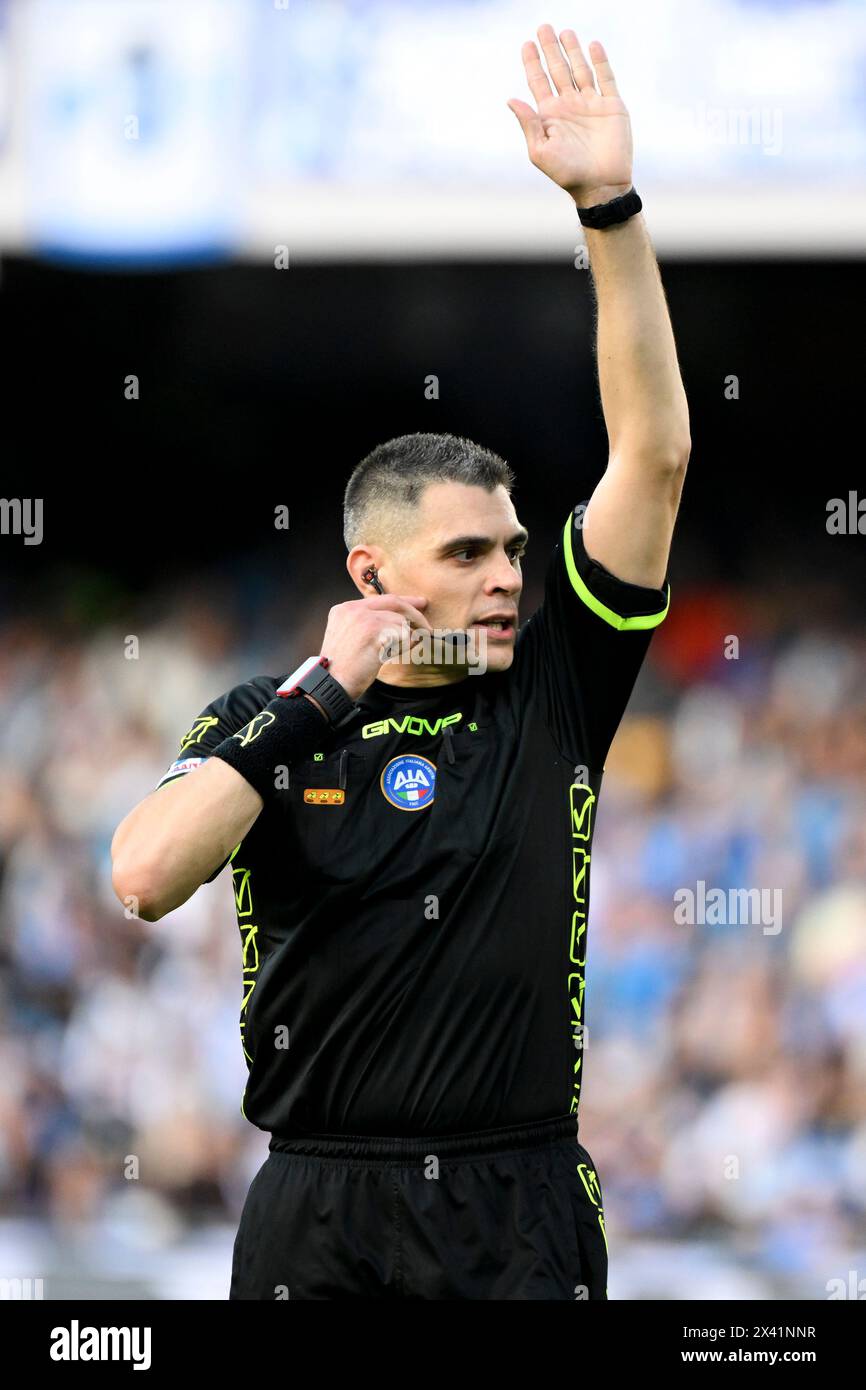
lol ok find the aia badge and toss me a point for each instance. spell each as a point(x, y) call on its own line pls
point(409, 782)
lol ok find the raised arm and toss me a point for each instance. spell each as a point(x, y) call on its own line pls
point(580, 136)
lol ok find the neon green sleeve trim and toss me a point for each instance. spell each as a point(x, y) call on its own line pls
point(643, 620)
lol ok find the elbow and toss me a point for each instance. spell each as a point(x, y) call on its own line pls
point(135, 887)
point(663, 456)
point(675, 458)
point(670, 444)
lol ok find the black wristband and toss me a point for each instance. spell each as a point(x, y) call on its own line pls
point(619, 209)
point(279, 735)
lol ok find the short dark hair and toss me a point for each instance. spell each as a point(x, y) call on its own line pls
point(394, 475)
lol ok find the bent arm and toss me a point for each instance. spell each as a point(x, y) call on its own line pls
point(172, 840)
point(580, 137)
point(630, 517)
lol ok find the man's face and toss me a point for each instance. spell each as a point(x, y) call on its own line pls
point(463, 553)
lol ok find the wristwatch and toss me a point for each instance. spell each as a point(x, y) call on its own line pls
point(313, 678)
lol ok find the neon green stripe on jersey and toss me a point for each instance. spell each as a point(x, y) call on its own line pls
point(643, 620)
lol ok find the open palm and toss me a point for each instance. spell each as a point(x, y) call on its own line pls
point(580, 136)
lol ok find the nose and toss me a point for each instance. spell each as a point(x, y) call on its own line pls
point(503, 579)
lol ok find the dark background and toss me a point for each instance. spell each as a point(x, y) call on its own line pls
point(261, 387)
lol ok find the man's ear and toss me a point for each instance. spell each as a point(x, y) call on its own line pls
point(360, 559)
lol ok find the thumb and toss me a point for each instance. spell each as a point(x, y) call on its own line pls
point(530, 122)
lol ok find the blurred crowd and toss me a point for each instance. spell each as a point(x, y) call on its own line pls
point(724, 1099)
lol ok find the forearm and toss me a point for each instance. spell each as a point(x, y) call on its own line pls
point(173, 839)
point(642, 394)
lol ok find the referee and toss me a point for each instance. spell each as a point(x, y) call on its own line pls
point(410, 831)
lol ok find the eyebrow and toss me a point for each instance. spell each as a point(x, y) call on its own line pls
point(482, 542)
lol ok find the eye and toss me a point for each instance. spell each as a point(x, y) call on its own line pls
point(517, 552)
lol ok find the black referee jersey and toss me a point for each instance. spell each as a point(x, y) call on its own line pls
point(413, 905)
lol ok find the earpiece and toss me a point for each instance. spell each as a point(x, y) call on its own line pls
point(371, 576)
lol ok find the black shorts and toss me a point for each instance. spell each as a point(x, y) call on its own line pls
point(498, 1214)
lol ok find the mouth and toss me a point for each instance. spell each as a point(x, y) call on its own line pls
point(500, 629)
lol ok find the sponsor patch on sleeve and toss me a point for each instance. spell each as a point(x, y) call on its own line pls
point(178, 769)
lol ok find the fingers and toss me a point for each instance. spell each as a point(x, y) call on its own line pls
point(584, 79)
point(415, 618)
point(400, 606)
point(383, 600)
point(530, 123)
point(539, 85)
point(603, 70)
point(560, 71)
point(568, 66)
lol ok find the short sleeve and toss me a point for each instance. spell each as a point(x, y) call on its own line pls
point(216, 722)
point(580, 653)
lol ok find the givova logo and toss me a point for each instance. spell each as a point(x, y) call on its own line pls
point(76, 1343)
point(409, 724)
point(409, 782)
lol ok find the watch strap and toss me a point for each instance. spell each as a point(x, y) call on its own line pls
point(312, 677)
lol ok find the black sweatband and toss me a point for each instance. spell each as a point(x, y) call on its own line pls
point(602, 215)
point(281, 734)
